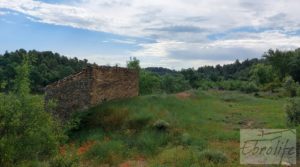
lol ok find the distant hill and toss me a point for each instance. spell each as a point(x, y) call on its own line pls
point(160, 70)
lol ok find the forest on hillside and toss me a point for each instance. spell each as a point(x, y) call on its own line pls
point(45, 67)
point(267, 73)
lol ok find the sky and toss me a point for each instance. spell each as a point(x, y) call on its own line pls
point(160, 33)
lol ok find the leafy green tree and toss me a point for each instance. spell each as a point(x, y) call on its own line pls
point(149, 83)
point(134, 63)
point(192, 76)
point(28, 134)
point(262, 74)
point(279, 61)
point(174, 83)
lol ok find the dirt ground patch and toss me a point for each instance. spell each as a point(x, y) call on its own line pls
point(184, 95)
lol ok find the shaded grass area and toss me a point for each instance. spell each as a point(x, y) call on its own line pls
point(202, 129)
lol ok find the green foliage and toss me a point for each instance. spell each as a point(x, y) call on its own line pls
point(262, 74)
point(27, 132)
point(279, 61)
point(249, 87)
point(206, 84)
point(285, 63)
point(149, 83)
point(45, 67)
point(134, 63)
point(293, 112)
point(192, 76)
point(174, 83)
point(22, 83)
point(213, 156)
point(65, 160)
point(230, 85)
point(290, 86)
point(272, 86)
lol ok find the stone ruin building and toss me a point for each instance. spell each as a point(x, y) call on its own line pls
point(91, 86)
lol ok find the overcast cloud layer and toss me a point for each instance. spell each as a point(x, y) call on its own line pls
point(175, 33)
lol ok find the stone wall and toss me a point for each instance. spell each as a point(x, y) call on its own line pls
point(90, 87)
point(113, 83)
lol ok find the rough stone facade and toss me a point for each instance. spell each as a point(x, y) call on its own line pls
point(90, 87)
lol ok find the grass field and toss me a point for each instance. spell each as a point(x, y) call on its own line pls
point(196, 128)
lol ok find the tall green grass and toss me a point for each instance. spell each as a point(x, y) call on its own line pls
point(125, 129)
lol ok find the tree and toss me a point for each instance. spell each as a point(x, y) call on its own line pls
point(280, 61)
point(134, 63)
point(262, 74)
point(174, 83)
point(45, 68)
point(192, 76)
point(27, 133)
point(149, 83)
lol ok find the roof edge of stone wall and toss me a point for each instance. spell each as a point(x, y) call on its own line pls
point(89, 67)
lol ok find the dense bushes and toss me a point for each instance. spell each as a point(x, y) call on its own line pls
point(290, 86)
point(150, 83)
point(174, 83)
point(293, 112)
point(249, 87)
point(28, 134)
point(213, 156)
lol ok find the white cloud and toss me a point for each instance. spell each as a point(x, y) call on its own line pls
point(158, 49)
point(225, 50)
point(124, 41)
point(178, 26)
point(144, 17)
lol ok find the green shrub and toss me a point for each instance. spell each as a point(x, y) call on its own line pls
point(149, 83)
point(67, 160)
point(291, 86)
point(249, 87)
point(293, 112)
point(262, 74)
point(212, 156)
point(172, 83)
point(27, 132)
point(206, 84)
point(229, 85)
